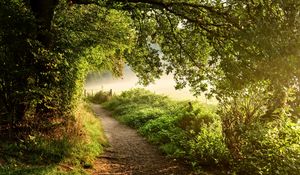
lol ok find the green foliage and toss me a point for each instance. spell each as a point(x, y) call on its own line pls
point(93, 139)
point(60, 41)
point(44, 67)
point(48, 47)
point(100, 97)
point(73, 146)
point(184, 129)
point(273, 149)
point(145, 114)
point(261, 138)
point(39, 170)
point(235, 42)
point(246, 138)
point(136, 98)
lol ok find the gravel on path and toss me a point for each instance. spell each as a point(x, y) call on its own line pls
point(130, 154)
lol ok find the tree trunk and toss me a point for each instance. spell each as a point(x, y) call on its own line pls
point(44, 11)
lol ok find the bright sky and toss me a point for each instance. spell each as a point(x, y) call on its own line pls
point(164, 86)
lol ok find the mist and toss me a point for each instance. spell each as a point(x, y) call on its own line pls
point(164, 86)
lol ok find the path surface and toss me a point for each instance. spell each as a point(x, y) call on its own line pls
point(130, 154)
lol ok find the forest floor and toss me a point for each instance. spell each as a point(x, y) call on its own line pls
point(130, 154)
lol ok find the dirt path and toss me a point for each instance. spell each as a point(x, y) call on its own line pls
point(130, 154)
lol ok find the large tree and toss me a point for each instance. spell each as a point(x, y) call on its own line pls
point(48, 46)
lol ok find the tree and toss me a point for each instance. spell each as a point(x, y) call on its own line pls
point(246, 53)
point(215, 46)
point(44, 68)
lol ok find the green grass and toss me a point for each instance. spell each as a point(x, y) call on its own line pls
point(100, 97)
point(194, 132)
point(67, 151)
point(185, 130)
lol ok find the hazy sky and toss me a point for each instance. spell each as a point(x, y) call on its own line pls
point(164, 86)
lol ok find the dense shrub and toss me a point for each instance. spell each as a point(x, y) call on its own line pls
point(74, 146)
point(100, 97)
point(181, 129)
point(138, 97)
point(145, 114)
point(272, 150)
point(239, 140)
point(261, 139)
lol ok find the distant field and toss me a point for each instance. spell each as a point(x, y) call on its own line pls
point(164, 86)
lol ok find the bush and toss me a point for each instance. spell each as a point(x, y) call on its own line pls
point(100, 97)
point(74, 145)
point(138, 97)
point(272, 149)
point(184, 129)
point(145, 115)
point(239, 140)
point(260, 141)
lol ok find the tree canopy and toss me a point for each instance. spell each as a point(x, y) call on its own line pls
point(215, 46)
point(245, 53)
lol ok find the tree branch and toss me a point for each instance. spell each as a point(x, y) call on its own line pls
point(210, 10)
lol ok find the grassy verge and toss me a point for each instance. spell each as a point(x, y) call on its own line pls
point(66, 150)
point(182, 129)
point(209, 140)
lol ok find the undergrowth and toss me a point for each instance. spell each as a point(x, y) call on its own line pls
point(100, 97)
point(65, 150)
point(221, 140)
point(182, 129)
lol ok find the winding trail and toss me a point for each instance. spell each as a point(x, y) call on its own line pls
point(131, 154)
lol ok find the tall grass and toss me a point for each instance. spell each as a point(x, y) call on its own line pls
point(222, 140)
point(185, 130)
point(64, 150)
